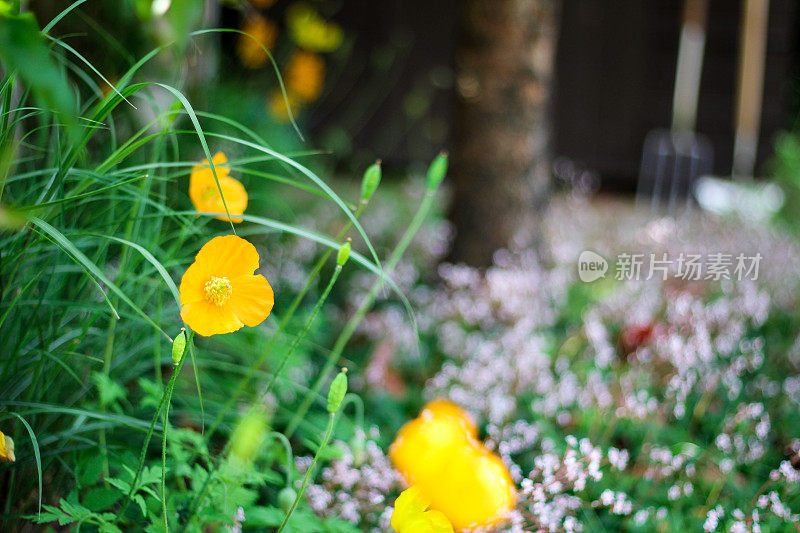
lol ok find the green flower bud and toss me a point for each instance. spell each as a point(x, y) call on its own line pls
point(286, 498)
point(337, 391)
point(437, 171)
point(179, 346)
point(344, 253)
point(370, 181)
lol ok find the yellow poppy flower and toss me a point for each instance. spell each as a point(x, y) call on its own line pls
point(424, 444)
point(438, 453)
point(7, 448)
point(410, 514)
point(305, 74)
point(311, 31)
point(204, 192)
point(261, 33)
point(219, 292)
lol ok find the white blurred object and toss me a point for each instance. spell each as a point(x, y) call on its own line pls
point(752, 201)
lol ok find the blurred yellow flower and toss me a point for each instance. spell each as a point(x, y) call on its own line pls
point(7, 448)
point(277, 106)
point(442, 407)
point(248, 435)
point(310, 31)
point(204, 192)
point(220, 292)
point(261, 33)
point(305, 74)
point(410, 514)
point(438, 453)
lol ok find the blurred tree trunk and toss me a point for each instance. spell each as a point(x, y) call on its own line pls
point(501, 164)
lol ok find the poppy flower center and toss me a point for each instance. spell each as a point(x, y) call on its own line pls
point(209, 193)
point(218, 290)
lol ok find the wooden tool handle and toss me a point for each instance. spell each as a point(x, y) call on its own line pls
point(690, 65)
point(752, 52)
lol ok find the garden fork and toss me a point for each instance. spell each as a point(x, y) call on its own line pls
point(673, 159)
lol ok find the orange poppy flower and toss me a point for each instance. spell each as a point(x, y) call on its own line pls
point(305, 75)
point(220, 292)
point(204, 192)
point(261, 33)
point(276, 104)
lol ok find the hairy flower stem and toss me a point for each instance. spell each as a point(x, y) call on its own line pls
point(303, 333)
point(310, 471)
point(298, 339)
point(281, 327)
point(164, 454)
point(277, 435)
point(165, 397)
point(366, 305)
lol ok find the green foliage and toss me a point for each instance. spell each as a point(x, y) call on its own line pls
point(96, 230)
point(786, 171)
point(23, 51)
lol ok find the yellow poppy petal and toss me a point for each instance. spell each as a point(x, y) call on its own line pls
point(228, 256)
point(443, 407)
point(202, 172)
point(219, 158)
point(423, 447)
point(235, 199)
point(251, 299)
point(474, 488)
point(439, 522)
point(408, 508)
point(418, 524)
point(206, 318)
point(193, 282)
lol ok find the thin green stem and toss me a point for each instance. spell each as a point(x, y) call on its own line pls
point(287, 446)
point(164, 398)
point(164, 458)
point(288, 315)
point(303, 333)
point(286, 357)
point(310, 471)
point(366, 305)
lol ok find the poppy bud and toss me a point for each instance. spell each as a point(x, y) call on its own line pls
point(286, 498)
point(370, 181)
point(179, 346)
point(344, 253)
point(337, 391)
point(437, 171)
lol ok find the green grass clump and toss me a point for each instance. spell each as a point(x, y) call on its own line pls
point(96, 231)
